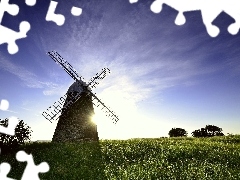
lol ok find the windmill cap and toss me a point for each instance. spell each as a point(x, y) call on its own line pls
point(75, 87)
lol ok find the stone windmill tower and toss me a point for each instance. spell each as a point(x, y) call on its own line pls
point(75, 123)
point(75, 109)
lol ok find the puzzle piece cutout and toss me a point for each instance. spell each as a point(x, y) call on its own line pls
point(59, 19)
point(7, 35)
point(10, 129)
point(31, 171)
point(4, 170)
point(12, 121)
point(4, 105)
point(209, 10)
point(133, 1)
point(76, 11)
point(12, 9)
point(30, 2)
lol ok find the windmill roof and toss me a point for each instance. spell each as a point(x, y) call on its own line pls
point(75, 87)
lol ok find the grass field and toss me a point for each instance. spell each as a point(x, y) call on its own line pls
point(162, 158)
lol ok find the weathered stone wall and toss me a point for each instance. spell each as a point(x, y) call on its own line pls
point(75, 123)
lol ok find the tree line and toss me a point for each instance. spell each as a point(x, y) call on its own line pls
point(10, 144)
point(208, 131)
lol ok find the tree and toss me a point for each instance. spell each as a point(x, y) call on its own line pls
point(196, 133)
point(208, 131)
point(177, 132)
point(213, 130)
point(8, 143)
point(200, 133)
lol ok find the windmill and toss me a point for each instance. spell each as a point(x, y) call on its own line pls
point(77, 92)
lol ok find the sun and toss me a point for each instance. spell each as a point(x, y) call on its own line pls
point(131, 124)
point(95, 119)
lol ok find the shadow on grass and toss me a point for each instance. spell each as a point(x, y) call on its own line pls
point(67, 161)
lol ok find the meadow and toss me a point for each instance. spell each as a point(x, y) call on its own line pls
point(160, 158)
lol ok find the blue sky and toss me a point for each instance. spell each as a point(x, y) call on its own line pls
point(162, 75)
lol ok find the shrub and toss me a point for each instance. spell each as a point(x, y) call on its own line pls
point(177, 132)
point(208, 131)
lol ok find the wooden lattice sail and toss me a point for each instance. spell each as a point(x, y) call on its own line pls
point(75, 109)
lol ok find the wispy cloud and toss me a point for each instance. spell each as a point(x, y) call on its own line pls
point(26, 109)
point(12, 111)
point(140, 62)
point(53, 88)
point(30, 79)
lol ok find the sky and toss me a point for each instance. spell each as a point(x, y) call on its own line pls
point(162, 75)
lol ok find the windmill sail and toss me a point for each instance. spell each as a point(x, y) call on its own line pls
point(66, 66)
point(93, 81)
point(98, 103)
point(53, 112)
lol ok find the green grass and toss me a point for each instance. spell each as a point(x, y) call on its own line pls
point(162, 158)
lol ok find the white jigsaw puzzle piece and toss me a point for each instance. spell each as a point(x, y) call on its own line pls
point(7, 35)
point(12, 9)
point(133, 1)
point(209, 10)
point(12, 121)
point(31, 171)
point(30, 2)
point(10, 129)
point(4, 105)
point(76, 11)
point(59, 19)
point(4, 170)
